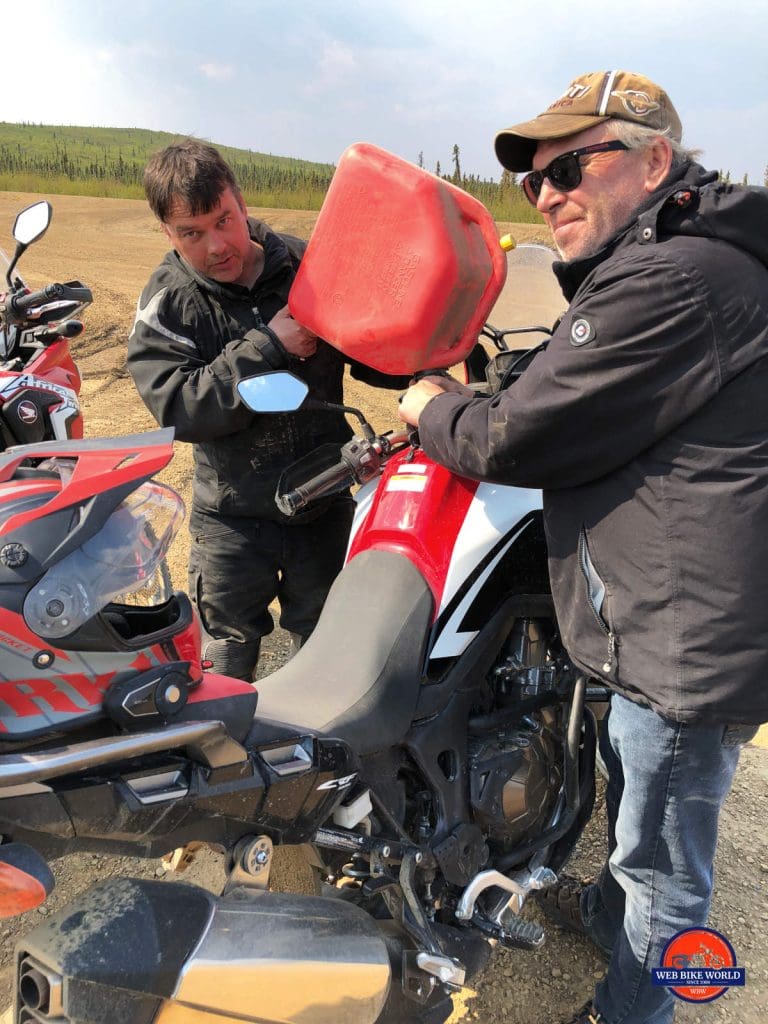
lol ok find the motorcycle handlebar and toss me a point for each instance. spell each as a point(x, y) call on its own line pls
point(329, 480)
point(20, 304)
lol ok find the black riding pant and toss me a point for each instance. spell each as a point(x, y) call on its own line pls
point(239, 565)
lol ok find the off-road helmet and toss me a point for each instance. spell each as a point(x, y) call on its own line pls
point(83, 533)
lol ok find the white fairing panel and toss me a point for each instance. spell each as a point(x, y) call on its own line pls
point(363, 501)
point(493, 521)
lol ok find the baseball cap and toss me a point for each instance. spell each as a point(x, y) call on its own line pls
point(589, 100)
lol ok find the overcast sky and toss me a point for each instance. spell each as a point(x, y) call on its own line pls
point(305, 78)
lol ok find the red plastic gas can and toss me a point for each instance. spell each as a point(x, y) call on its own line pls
point(402, 267)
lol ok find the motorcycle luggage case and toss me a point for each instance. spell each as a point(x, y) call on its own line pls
point(402, 267)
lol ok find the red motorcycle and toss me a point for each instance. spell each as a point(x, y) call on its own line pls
point(39, 382)
point(430, 747)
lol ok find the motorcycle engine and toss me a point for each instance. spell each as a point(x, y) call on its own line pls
point(516, 759)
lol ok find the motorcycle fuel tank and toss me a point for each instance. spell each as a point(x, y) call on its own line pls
point(402, 267)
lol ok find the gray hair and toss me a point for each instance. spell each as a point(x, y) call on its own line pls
point(638, 136)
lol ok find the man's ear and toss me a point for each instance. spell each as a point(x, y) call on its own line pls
point(658, 161)
point(166, 230)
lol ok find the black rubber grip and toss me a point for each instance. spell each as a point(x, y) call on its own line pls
point(19, 304)
point(316, 487)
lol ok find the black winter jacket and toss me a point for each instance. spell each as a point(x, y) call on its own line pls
point(646, 423)
point(194, 339)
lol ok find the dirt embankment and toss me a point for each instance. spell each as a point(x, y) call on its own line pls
point(113, 245)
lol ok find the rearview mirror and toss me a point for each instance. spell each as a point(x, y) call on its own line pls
point(278, 391)
point(33, 222)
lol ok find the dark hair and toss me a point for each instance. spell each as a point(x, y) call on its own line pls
point(190, 171)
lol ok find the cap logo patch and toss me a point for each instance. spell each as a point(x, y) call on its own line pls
point(576, 90)
point(638, 103)
point(582, 331)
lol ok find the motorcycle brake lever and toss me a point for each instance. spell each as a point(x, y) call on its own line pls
point(414, 442)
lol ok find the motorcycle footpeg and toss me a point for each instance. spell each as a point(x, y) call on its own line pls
point(514, 933)
point(519, 934)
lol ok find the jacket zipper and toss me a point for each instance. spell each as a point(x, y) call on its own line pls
point(595, 590)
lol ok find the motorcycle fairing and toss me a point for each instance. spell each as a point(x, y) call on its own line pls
point(28, 402)
point(355, 677)
point(150, 804)
point(51, 381)
point(514, 564)
point(52, 368)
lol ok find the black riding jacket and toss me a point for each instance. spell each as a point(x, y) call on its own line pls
point(645, 421)
point(194, 339)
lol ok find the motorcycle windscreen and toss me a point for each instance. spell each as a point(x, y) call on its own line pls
point(117, 560)
point(6, 339)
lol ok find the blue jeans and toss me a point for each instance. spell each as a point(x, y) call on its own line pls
point(667, 783)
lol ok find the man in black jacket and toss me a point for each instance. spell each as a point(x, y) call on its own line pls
point(213, 313)
point(645, 422)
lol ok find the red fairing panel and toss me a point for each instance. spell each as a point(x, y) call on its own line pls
point(417, 511)
point(55, 363)
point(52, 371)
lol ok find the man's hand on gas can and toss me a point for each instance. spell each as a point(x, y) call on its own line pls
point(297, 340)
point(412, 403)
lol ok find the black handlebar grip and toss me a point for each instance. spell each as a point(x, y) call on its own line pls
point(21, 303)
point(316, 487)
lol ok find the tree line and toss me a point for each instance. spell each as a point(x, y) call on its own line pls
point(110, 162)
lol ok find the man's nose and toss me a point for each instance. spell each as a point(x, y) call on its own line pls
point(216, 242)
point(549, 196)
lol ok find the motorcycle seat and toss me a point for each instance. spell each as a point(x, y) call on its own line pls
point(357, 676)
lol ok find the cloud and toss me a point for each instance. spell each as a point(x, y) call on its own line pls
point(336, 59)
point(217, 72)
point(335, 68)
point(410, 77)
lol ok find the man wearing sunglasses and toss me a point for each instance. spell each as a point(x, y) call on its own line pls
point(645, 421)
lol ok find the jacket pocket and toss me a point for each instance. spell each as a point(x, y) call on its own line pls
point(595, 590)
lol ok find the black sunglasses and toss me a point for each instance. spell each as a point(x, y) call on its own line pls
point(565, 170)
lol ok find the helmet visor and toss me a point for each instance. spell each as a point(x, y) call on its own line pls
point(117, 560)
